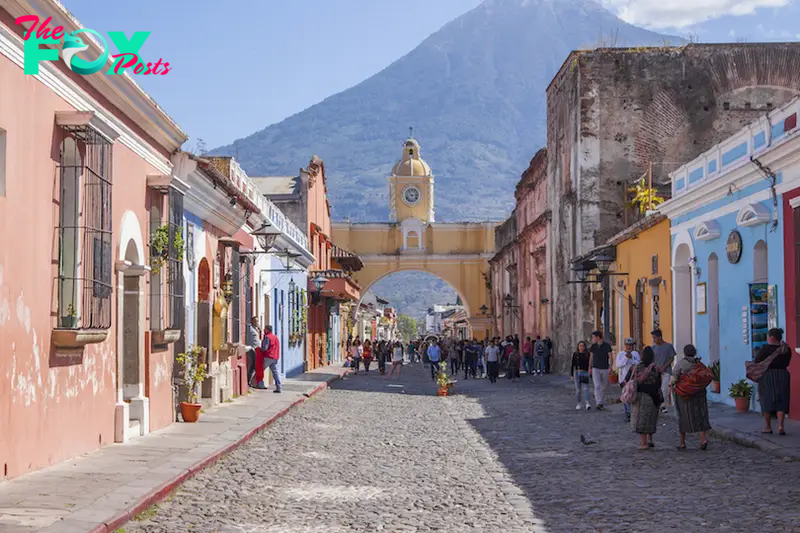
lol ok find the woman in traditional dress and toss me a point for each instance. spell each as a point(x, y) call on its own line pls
point(773, 387)
point(644, 412)
point(692, 411)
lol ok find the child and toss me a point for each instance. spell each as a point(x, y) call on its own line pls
point(348, 361)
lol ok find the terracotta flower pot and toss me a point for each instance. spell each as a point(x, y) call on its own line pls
point(442, 391)
point(742, 404)
point(715, 387)
point(190, 412)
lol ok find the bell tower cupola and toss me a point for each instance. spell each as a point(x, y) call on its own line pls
point(411, 186)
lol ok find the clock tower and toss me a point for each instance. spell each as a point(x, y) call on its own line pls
point(411, 187)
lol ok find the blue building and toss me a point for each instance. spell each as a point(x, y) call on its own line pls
point(727, 243)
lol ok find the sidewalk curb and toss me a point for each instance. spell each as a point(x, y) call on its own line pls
point(749, 441)
point(161, 492)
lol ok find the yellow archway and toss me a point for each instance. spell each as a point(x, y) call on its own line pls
point(457, 253)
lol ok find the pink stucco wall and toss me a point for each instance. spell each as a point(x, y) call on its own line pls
point(533, 219)
point(53, 405)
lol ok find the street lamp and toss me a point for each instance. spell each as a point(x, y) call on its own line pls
point(267, 235)
point(603, 262)
point(508, 299)
point(484, 310)
point(319, 282)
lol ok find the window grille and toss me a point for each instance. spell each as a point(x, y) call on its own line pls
point(235, 303)
point(156, 292)
point(175, 283)
point(84, 231)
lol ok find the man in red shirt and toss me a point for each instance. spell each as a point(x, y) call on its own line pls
point(269, 356)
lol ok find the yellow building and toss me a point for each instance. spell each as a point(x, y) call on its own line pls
point(456, 252)
point(642, 298)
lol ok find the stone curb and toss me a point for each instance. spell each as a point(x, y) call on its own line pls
point(750, 441)
point(160, 493)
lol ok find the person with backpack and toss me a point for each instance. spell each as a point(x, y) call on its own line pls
point(690, 399)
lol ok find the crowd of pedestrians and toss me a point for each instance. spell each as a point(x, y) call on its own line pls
point(659, 378)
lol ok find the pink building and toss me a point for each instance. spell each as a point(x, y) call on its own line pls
point(533, 223)
point(86, 327)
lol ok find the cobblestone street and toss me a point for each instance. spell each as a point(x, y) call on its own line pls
point(378, 455)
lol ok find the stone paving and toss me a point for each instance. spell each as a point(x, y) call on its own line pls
point(378, 455)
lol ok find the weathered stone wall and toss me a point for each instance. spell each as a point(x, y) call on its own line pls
point(614, 112)
point(533, 219)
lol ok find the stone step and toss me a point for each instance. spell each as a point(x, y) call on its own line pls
point(134, 427)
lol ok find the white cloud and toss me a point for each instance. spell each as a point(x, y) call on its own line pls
point(683, 13)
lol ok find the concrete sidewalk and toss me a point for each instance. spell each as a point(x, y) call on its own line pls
point(101, 491)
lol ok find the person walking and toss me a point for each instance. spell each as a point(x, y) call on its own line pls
point(644, 413)
point(272, 355)
point(412, 352)
point(481, 366)
point(254, 337)
point(579, 374)
point(367, 355)
point(665, 355)
point(470, 358)
point(356, 352)
point(774, 385)
point(434, 355)
point(493, 361)
point(692, 411)
point(397, 359)
point(599, 361)
point(626, 359)
point(512, 368)
point(527, 356)
point(538, 357)
point(550, 354)
point(452, 356)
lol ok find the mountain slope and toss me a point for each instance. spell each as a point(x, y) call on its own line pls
point(473, 91)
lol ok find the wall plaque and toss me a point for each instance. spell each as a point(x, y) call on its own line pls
point(734, 247)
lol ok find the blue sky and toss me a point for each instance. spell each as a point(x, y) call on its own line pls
point(255, 62)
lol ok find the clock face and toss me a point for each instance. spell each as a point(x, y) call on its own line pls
point(411, 195)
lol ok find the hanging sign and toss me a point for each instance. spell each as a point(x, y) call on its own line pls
point(734, 247)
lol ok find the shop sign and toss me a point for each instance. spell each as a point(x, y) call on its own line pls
point(734, 247)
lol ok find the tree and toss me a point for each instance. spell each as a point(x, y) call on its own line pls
point(407, 326)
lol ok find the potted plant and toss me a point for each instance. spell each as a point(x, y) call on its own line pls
point(443, 382)
point(70, 320)
point(613, 377)
point(194, 372)
point(715, 372)
point(741, 391)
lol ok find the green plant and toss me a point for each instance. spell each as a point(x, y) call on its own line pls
point(741, 389)
point(71, 310)
point(159, 247)
point(644, 197)
point(715, 370)
point(194, 370)
point(442, 379)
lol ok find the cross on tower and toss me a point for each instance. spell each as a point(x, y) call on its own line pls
point(411, 131)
